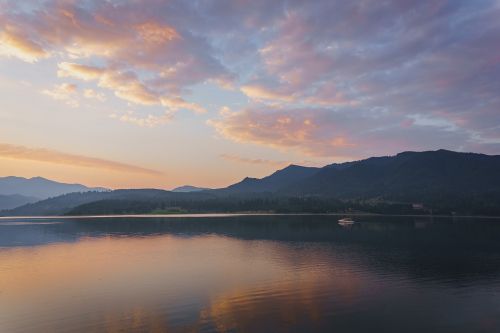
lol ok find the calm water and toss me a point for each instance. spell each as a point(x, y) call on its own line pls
point(250, 274)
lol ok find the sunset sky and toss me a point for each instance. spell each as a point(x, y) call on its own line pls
point(166, 93)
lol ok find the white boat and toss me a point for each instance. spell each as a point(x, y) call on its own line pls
point(346, 221)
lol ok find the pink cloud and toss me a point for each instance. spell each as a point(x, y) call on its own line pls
point(303, 130)
point(13, 43)
point(143, 59)
point(323, 77)
point(336, 134)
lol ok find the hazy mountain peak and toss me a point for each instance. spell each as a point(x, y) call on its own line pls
point(15, 200)
point(39, 187)
point(189, 188)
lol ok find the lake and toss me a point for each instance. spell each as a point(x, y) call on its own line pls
point(250, 274)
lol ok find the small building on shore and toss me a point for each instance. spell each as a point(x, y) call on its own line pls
point(418, 206)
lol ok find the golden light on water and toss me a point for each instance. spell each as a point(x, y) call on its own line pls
point(144, 282)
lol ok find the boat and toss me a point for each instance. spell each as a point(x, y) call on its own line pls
point(346, 221)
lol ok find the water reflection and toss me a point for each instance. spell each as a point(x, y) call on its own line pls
point(249, 274)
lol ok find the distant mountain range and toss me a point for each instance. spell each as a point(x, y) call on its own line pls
point(440, 181)
point(17, 191)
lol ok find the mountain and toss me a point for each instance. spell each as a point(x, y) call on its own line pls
point(39, 187)
point(413, 176)
point(14, 200)
point(189, 188)
point(443, 181)
point(272, 183)
point(407, 176)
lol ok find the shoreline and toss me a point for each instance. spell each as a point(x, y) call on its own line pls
point(212, 215)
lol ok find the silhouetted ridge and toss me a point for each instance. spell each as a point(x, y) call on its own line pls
point(408, 175)
point(273, 182)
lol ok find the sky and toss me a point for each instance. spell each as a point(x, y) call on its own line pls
point(133, 94)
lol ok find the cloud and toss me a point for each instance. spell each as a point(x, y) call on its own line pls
point(322, 77)
point(92, 94)
point(339, 78)
point(177, 103)
point(83, 72)
point(283, 129)
point(258, 92)
point(126, 85)
point(150, 120)
point(13, 44)
point(63, 92)
point(258, 161)
point(141, 56)
point(16, 152)
point(339, 134)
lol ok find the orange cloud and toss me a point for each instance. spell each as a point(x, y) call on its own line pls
point(177, 103)
point(127, 86)
point(155, 33)
point(16, 45)
point(92, 94)
point(83, 72)
point(261, 93)
point(143, 59)
point(63, 92)
point(311, 132)
point(16, 152)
